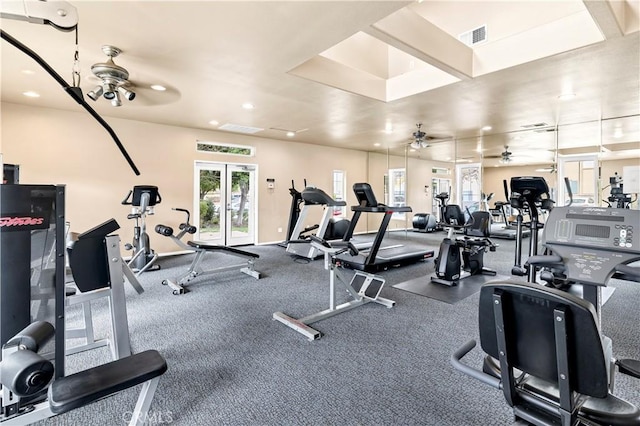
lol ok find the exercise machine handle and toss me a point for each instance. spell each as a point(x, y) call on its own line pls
point(567, 183)
point(545, 260)
point(126, 200)
point(476, 374)
point(630, 273)
point(346, 245)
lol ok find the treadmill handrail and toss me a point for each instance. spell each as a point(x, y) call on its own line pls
point(381, 208)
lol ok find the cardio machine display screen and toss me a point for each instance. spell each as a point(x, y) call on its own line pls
point(593, 231)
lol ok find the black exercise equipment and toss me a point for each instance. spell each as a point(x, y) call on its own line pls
point(374, 260)
point(428, 222)
point(142, 198)
point(617, 198)
point(459, 258)
point(528, 193)
point(178, 285)
point(505, 230)
point(10, 174)
point(425, 222)
point(554, 337)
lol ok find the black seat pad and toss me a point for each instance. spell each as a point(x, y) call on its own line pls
point(216, 247)
point(85, 387)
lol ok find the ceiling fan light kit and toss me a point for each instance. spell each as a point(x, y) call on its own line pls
point(115, 79)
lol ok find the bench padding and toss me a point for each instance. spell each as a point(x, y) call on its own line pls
point(213, 247)
point(85, 387)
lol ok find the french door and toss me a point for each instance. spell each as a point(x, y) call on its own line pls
point(226, 205)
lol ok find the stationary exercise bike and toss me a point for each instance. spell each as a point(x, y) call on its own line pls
point(142, 198)
point(460, 258)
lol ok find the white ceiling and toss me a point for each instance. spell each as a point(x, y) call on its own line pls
point(214, 56)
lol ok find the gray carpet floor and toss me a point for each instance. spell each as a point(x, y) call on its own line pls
point(231, 364)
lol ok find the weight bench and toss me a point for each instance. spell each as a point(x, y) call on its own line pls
point(26, 374)
point(201, 249)
point(195, 270)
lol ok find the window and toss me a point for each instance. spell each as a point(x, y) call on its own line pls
point(397, 190)
point(339, 191)
point(225, 148)
point(469, 184)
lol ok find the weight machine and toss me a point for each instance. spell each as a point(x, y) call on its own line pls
point(32, 316)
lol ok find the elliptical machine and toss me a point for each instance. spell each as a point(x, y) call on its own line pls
point(429, 222)
point(460, 258)
point(142, 198)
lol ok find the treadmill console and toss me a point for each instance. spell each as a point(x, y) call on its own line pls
point(316, 196)
point(593, 240)
point(365, 195)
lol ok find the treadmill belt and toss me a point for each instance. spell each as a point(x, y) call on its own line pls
point(451, 295)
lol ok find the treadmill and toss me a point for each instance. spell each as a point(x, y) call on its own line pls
point(312, 197)
point(376, 259)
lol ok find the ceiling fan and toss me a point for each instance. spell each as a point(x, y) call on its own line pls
point(114, 79)
point(420, 139)
point(505, 156)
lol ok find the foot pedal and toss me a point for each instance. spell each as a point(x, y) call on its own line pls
point(630, 367)
point(367, 285)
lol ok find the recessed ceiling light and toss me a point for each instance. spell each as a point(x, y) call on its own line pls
point(566, 96)
point(618, 133)
point(28, 72)
point(158, 87)
point(388, 128)
point(412, 150)
point(31, 94)
point(248, 105)
point(214, 123)
point(376, 144)
point(291, 134)
point(487, 128)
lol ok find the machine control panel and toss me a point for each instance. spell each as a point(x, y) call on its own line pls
point(593, 240)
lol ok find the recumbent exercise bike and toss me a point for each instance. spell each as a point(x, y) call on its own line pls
point(459, 258)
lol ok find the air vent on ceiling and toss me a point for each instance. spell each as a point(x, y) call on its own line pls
point(239, 128)
point(534, 125)
point(475, 36)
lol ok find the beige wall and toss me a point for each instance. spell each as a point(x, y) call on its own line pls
point(54, 146)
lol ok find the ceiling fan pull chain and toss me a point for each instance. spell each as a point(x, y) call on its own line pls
point(76, 64)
